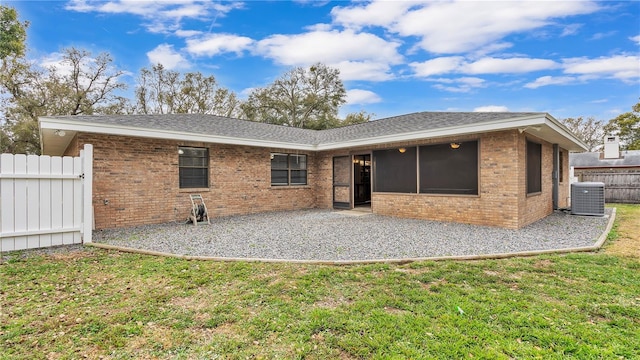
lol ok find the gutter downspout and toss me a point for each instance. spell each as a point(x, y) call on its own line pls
point(555, 175)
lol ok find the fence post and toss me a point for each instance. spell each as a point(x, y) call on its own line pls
point(87, 193)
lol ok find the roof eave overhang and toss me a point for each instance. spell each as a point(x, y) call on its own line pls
point(541, 126)
point(73, 126)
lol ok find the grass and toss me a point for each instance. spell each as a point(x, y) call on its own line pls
point(104, 304)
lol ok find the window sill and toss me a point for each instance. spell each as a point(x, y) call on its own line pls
point(534, 194)
point(451, 195)
point(193, 190)
point(428, 194)
point(285, 187)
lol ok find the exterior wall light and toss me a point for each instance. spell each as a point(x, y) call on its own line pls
point(454, 145)
point(60, 133)
point(402, 150)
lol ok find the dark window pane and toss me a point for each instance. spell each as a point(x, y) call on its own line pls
point(279, 177)
point(193, 167)
point(298, 162)
point(194, 178)
point(534, 167)
point(444, 170)
point(279, 161)
point(395, 171)
point(298, 177)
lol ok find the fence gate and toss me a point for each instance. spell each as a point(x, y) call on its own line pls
point(45, 200)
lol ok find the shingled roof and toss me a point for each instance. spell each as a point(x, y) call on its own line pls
point(216, 129)
point(628, 158)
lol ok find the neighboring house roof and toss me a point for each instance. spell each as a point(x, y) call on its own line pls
point(628, 158)
point(216, 129)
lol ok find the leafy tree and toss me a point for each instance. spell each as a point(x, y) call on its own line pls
point(351, 119)
point(79, 84)
point(306, 98)
point(161, 91)
point(627, 127)
point(589, 130)
point(13, 33)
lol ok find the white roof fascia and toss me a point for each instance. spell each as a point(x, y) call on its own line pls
point(506, 124)
point(564, 131)
point(47, 123)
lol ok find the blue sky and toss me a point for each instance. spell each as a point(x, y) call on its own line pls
point(567, 58)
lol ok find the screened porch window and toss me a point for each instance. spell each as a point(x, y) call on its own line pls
point(395, 170)
point(534, 167)
point(193, 166)
point(288, 169)
point(450, 168)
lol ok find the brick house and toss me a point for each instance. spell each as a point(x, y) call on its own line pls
point(494, 169)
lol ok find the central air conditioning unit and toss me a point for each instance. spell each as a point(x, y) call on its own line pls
point(587, 198)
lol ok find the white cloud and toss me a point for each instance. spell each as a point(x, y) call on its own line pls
point(319, 27)
point(635, 39)
point(491, 108)
point(551, 80)
point(162, 16)
point(187, 33)
point(363, 70)
point(570, 29)
point(622, 67)
point(459, 85)
point(359, 56)
point(213, 44)
point(599, 36)
point(375, 13)
point(490, 65)
point(487, 65)
point(458, 26)
point(165, 54)
point(437, 66)
point(328, 47)
point(359, 96)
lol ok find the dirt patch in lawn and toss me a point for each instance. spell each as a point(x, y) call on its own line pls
point(628, 232)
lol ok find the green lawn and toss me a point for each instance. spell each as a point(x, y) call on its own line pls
point(105, 304)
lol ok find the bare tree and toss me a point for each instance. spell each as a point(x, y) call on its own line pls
point(590, 130)
point(161, 91)
point(77, 84)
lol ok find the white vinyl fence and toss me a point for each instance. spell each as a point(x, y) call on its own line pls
point(45, 200)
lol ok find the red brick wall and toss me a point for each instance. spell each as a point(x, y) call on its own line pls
point(495, 205)
point(139, 178)
point(502, 201)
point(535, 206)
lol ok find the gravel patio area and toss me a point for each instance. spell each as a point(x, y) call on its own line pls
point(326, 235)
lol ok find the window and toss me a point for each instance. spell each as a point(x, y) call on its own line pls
point(395, 170)
point(561, 166)
point(534, 167)
point(449, 168)
point(194, 167)
point(288, 169)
